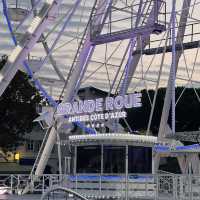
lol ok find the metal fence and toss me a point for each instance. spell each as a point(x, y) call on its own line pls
point(158, 186)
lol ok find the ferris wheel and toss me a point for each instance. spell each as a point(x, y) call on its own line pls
point(118, 46)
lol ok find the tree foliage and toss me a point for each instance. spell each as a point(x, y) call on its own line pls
point(17, 109)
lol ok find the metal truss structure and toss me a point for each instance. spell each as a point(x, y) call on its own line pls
point(144, 27)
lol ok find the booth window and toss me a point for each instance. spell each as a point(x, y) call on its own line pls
point(139, 159)
point(114, 159)
point(30, 145)
point(88, 159)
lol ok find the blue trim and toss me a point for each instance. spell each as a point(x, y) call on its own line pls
point(162, 148)
point(30, 73)
point(5, 12)
point(96, 178)
point(189, 147)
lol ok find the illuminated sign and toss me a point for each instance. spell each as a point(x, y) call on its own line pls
point(99, 109)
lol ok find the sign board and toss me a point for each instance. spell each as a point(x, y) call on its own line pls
point(99, 109)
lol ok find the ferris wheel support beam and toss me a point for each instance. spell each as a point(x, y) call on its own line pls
point(168, 95)
point(164, 127)
point(32, 35)
point(72, 87)
point(142, 41)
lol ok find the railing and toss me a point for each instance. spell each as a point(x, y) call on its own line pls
point(22, 5)
point(16, 183)
point(191, 35)
point(120, 20)
point(150, 186)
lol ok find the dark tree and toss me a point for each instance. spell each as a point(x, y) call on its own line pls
point(187, 111)
point(17, 109)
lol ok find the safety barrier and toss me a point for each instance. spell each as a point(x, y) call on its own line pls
point(96, 186)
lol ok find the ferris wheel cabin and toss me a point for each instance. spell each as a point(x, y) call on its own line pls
point(102, 163)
